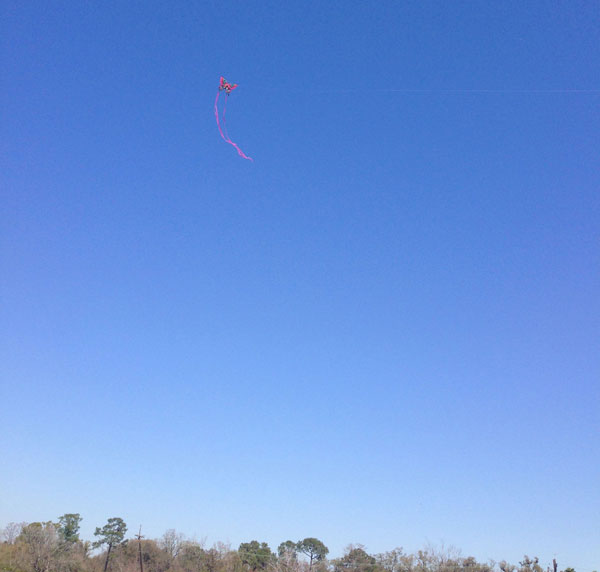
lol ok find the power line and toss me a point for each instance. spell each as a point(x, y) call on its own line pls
point(458, 91)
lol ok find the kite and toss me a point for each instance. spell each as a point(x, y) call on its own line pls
point(227, 88)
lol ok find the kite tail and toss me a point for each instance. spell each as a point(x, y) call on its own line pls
point(225, 124)
point(217, 116)
point(224, 135)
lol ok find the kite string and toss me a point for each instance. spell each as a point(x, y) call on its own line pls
point(227, 139)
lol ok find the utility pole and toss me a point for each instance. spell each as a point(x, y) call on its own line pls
point(139, 537)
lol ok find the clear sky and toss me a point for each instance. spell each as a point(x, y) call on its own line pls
point(385, 330)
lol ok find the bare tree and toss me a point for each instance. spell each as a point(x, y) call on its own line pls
point(395, 561)
point(287, 559)
point(40, 542)
point(11, 532)
point(171, 542)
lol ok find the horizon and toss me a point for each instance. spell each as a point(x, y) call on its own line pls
point(433, 547)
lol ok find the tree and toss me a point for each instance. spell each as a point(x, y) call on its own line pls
point(530, 564)
point(40, 541)
point(287, 559)
point(313, 548)
point(171, 542)
point(356, 560)
point(192, 557)
point(257, 556)
point(127, 557)
point(470, 564)
point(395, 561)
point(11, 532)
point(288, 548)
point(68, 527)
point(111, 534)
point(506, 567)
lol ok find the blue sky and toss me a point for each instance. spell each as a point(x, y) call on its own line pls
point(384, 330)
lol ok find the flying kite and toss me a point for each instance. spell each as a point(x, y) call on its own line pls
point(227, 87)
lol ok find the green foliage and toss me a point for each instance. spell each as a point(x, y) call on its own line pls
point(111, 534)
point(192, 558)
point(287, 548)
point(313, 548)
point(356, 559)
point(255, 555)
point(68, 527)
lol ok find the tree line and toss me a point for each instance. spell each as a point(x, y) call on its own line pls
point(57, 547)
